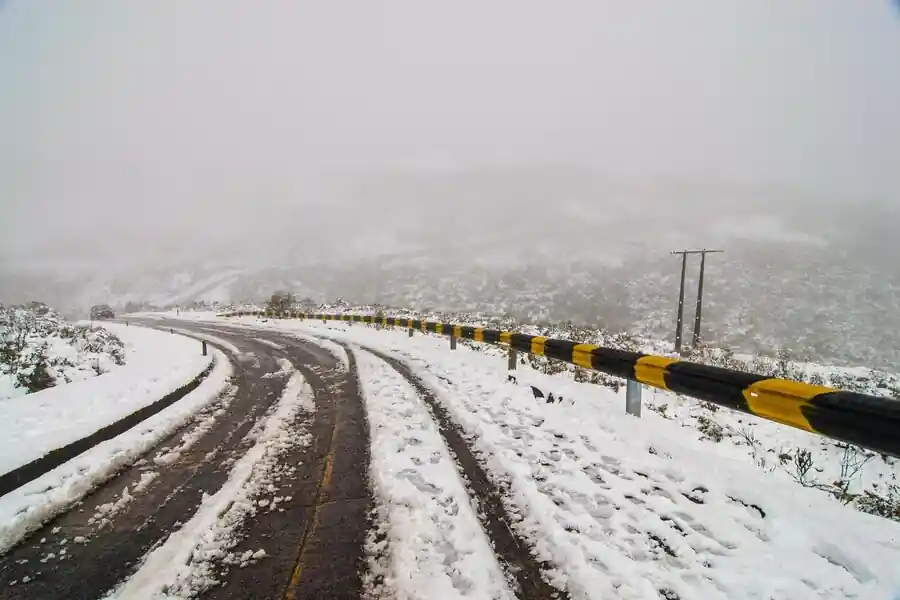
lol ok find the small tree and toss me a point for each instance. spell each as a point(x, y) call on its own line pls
point(280, 302)
point(33, 374)
point(379, 316)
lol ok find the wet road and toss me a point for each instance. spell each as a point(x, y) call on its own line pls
point(314, 544)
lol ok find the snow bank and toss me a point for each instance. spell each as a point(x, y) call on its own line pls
point(188, 561)
point(157, 363)
point(435, 543)
point(28, 507)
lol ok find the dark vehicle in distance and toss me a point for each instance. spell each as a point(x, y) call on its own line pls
point(102, 311)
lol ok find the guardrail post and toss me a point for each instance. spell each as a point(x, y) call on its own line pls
point(410, 332)
point(452, 341)
point(204, 347)
point(633, 398)
point(513, 358)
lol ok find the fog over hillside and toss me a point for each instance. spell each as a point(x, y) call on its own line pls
point(540, 160)
point(818, 277)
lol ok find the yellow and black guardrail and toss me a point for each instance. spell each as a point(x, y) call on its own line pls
point(872, 422)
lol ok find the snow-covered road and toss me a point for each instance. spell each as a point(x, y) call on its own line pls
point(635, 508)
point(345, 461)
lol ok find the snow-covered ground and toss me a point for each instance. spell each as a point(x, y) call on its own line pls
point(819, 462)
point(635, 508)
point(431, 531)
point(157, 363)
point(33, 504)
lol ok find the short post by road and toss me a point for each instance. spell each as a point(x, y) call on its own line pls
point(204, 347)
point(513, 358)
point(452, 340)
point(410, 332)
point(633, 398)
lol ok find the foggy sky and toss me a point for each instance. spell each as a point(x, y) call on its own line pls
point(150, 115)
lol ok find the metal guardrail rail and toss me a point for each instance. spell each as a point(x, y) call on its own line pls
point(869, 421)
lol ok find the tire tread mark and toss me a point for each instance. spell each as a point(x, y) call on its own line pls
point(512, 550)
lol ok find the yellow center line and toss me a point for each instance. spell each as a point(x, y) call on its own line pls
point(321, 490)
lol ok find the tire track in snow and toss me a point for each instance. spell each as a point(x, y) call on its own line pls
point(188, 562)
point(315, 547)
point(513, 551)
point(428, 542)
point(619, 520)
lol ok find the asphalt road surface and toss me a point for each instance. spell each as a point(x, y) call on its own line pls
point(315, 547)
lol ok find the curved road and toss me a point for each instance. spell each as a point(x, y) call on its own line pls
point(314, 547)
point(315, 544)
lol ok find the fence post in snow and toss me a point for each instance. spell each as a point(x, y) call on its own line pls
point(204, 347)
point(452, 341)
point(410, 331)
point(513, 358)
point(633, 398)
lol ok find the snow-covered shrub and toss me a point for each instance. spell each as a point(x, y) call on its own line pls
point(884, 503)
point(710, 429)
point(40, 349)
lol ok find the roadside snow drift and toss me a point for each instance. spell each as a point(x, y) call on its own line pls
point(30, 506)
point(157, 364)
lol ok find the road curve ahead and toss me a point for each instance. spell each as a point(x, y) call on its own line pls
point(302, 535)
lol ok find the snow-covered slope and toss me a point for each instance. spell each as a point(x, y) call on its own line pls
point(805, 273)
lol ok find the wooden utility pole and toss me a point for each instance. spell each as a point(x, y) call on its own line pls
point(698, 316)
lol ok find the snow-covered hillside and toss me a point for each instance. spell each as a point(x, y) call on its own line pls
point(808, 274)
point(40, 349)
